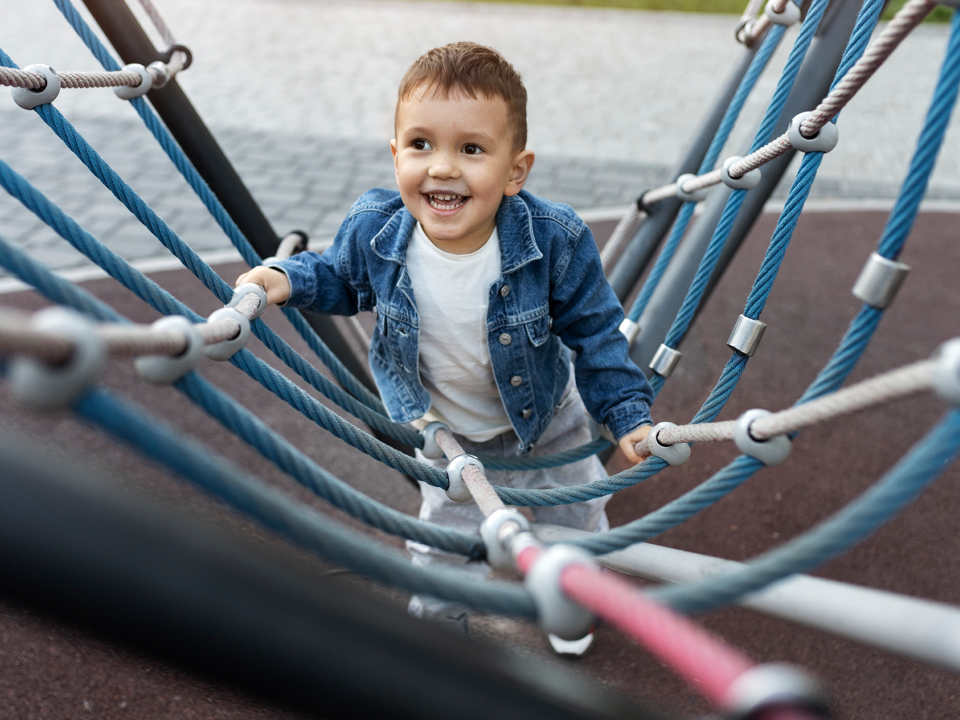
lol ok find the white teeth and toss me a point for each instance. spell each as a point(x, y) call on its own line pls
point(435, 200)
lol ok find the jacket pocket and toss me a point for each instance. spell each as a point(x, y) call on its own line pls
point(538, 330)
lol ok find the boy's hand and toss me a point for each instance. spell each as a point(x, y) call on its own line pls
point(274, 282)
point(627, 442)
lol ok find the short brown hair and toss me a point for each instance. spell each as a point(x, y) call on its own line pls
point(474, 70)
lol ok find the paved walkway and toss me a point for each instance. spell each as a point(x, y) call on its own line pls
point(300, 94)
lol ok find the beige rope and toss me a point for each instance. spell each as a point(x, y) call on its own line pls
point(884, 388)
point(482, 491)
point(879, 49)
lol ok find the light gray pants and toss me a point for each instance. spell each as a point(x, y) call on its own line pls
point(570, 428)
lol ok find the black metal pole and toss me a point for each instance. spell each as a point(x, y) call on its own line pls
point(641, 248)
point(812, 84)
point(132, 43)
point(250, 614)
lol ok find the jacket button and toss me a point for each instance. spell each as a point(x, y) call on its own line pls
point(504, 291)
point(505, 339)
point(516, 380)
point(527, 412)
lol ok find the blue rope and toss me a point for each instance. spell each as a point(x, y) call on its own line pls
point(216, 209)
point(757, 66)
point(858, 335)
point(239, 420)
point(898, 488)
point(165, 303)
point(304, 526)
point(712, 254)
point(55, 120)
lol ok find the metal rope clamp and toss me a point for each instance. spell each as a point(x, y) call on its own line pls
point(245, 289)
point(29, 99)
point(696, 195)
point(630, 330)
point(226, 349)
point(879, 281)
point(824, 141)
point(946, 374)
point(458, 490)
point(763, 687)
point(46, 386)
point(770, 452)
point(789, 15)
point(665, 360)
point(746, 335)
point(676, 454)
point(166, 369)
point(747, 181)
point(125, 92)
point(499, 552)
point(431, 448)
point(556, 613)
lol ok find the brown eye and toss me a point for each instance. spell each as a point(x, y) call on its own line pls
point(420, 144)
point(472, 149)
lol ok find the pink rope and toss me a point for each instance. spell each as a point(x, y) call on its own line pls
point(703, 661)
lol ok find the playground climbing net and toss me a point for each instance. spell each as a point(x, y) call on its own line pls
point(57, 355)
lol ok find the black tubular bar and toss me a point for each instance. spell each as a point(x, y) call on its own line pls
point(202, 596)
point(812, 84)
point(636, 256)
point(132, 43)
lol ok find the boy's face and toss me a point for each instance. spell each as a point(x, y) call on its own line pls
point(454, 162)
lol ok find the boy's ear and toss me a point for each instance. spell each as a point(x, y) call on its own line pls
point(522, 164)
point(393, 150)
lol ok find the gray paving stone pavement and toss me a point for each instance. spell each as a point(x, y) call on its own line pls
point(300, 94)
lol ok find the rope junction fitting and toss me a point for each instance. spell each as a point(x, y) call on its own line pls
point(49, 343)
point(40, 84)
point(811, 133)
point(884, 388)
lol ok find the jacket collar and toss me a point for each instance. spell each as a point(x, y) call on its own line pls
point(514, 227)
point(518, 246)
point(394, 237)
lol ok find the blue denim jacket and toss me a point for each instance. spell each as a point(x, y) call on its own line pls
point(551, 293)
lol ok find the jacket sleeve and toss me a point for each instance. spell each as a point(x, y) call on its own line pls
point(333, 282)
point(586, 316)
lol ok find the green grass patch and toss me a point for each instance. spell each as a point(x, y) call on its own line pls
point(940, 13)
point(727, 7)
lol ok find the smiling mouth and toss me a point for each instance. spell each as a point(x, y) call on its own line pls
point(445, 201)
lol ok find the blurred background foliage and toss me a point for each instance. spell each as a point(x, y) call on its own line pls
point(730, 7)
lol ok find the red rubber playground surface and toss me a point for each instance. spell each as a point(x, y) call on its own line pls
point(48, 670)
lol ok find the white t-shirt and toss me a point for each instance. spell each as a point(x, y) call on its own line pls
point(452, 294)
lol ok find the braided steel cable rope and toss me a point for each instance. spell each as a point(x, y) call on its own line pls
point(210, 279)
point(219, 213)
point(302, 525)
point(239, 420)
point(854, 342)
point(881, 503)
point(757, 65)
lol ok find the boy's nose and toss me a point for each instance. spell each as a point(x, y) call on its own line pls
point(444, 167)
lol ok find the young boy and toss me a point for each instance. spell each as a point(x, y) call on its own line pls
point(480, 290)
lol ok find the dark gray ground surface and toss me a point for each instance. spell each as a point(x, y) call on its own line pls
point(49, 671)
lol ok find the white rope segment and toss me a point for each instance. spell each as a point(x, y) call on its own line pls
point(752, 28)
point(879, 49)
point(893, 385)
point(473, 477)
point(150, 9)
point(15, 77)
point(622, 233)
point(122, 340)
